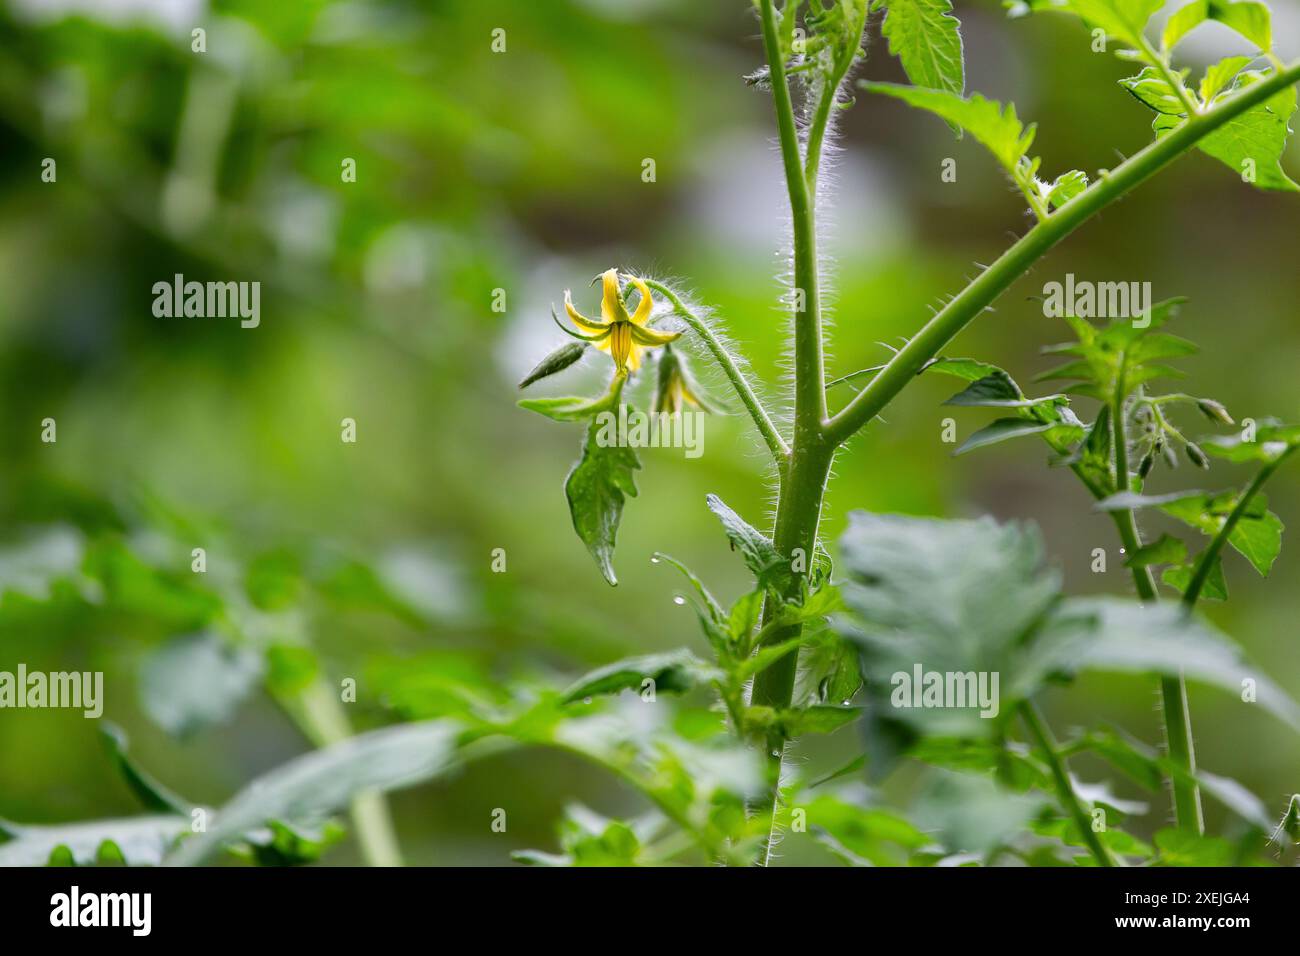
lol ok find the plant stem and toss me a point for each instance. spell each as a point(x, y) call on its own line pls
point(1017, 260)
point(744, 391)
point(320, 715)
point(1205, 563)
point(810, 380)
point(803, 479)
point(1173, 690)
point(1042, 735)
point(1161, 63)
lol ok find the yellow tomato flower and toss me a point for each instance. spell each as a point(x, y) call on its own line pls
point(622, 335)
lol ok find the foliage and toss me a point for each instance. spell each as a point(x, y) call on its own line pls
point(809, 647)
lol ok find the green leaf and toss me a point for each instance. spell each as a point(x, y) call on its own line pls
point(674, 672)
point(757, 550)
point(1151, 89)
point(971, 370)
point(1247, 17)
point(1218, 75)
point(1258, 540)
point(863, 835)
point(1124, 20)
point(817, 719)
point(140, 841)
point(1123, 636)
point(1215, 587)
point(1185, 848)
point(714, 609)
point(996, 127)
point(952, 597)
point(1164, 550)
point(556, 361)
point(1253, 142)
point(152, 794)
point(596, 488)
point(828, 672)
point(1066, 187)
point(973, 598)
point(197, 681)
point(589, 839)
point(1132, 500)
point(1002, 430)
point(1269, 440)
point(570, 408)
point(926, 37)
point(1257, 535)
point(317, 784)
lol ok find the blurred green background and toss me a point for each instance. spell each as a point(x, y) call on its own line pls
point(521, 170)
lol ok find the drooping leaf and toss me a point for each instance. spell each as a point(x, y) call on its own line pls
point(968, 369)
point(996, 127)
point(1002, 430)
point(317, 784)
point(674, 672)
point(596, 488)
point(757, 550)
point(926, 37)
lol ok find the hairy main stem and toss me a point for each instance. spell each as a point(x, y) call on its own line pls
point(803, 475)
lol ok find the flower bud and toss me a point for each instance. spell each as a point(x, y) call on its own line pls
point(1196, 456)
point(1144, 466)
point(557, 361)
point(1214, 411)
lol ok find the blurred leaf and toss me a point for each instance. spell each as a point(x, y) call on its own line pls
point(674, 672)
point(1124, 20)
point(1247, 17)
point(140, 841)
point(152, 794)
point(321, 782)
point(863, 836)
point(193, 682)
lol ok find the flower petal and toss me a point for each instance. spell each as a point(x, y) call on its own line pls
point(653, 337)
point(598, 337)
point(583, 323)
point(612, 308)
point(646, 305)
